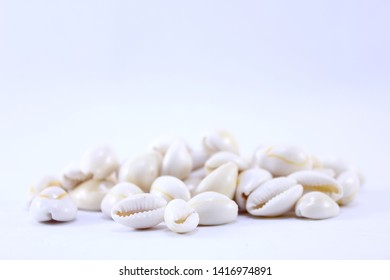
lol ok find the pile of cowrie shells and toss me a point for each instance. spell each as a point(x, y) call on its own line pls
point(185, 187)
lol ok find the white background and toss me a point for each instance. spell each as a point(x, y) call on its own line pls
point(310, 73)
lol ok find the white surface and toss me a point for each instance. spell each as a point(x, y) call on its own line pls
point(315, 74)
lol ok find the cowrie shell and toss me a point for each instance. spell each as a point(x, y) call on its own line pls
point(192, 184)
point(169, 188)
point(214, 208)
point(247, 182)
point(177, 161)
point(316, 205)
point(312, 180)
point(327, 171)
point(350, 183)
point(100, 161)
point(216, 141)
point(141, 170)
point(40, 185)
point(53, 203)
point(283, 160)
point(89, 194)
point(180, 217)
point(117, 193)
point(199, 157)
point(162, 143)
point(72, 176)
point(222, 180)
point(274, 198)
point(220, 158)
point(139, 211)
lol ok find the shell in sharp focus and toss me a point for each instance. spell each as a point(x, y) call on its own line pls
point(283, 160)
point(139, 211)
point(350, 183)
point(117, 193)
point(247, 182)
point(169, 188)
point(220, 158)
point(53, 203)
point(316, 205)
point(216, 141)
point(141, 170)
point(222, 180)
point(274, 198)
point(177, 161)
point(89, 194)
point(312, 180)
point(180, 217)
point(100, 161)
point(40, 185)
point(214, 208)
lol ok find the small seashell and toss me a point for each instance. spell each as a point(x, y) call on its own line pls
point(282, 161)
point(177, 161)
point(89, 194)
point(139, 211)
point(216, 141)
point(350, 183)
point(72, 175)
point(327, 171)
point(180, 217)
point(162, 143)
point(40, 185)
point(220, 158)
point(141, 170)
point(316, 205)
point(222, 180)
point(214, 208)
point(53, 203)
point(100, 161)
point(199, 157)
point(336, 164)
point(312, 180)
point(247, 182)
point(192, 184)
point(274, 198)
point(169, 188)
point(117, 193)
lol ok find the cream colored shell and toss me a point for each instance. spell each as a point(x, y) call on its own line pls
point(247, 182)
point(214, 208)
point(192, 183)
point(40, 185)
point(141, 170)
point(283, 160)
point(117, 193)
point(89, 195)
point(162, 143)
point(169, 188)
point(139, 211)
point(220, 158)
point(316, 205)
point(350, 183)
point(216, 141)
point(222, 180)
point(100, 161)
point(199, 157)
point(72, 175)
point(53, 203)
point(177, 161)
point(180, 217)
point(312, 180)
point(274, 198)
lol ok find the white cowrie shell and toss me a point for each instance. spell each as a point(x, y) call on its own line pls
point(222, 180)
point(40, 185)
point(100, 161)
point(247, 182)
point(327, 171)
point(214, 208)
point(312, 180)
point(192, 184)
point(117, 193)
point(162, 143)
point(89, 194)
point(220, 158)
point(139, 211)
point(141, 170)
point(180, 217)
point(316, 205)
point(199, 157)
point(283, 160)
point(350, 183)
point(72, 175)
point(177, 161)
point(53, 203)
point(336, 164)
point(169, 188)
point(216, 141)
point(274, 198)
